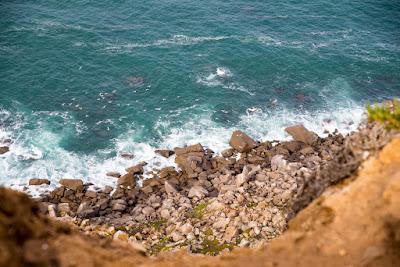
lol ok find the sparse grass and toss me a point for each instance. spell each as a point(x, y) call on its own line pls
point(161, 246)
point(210, 246)
point(387, 113)
point(251, 205)
point(158, 224)
point(198, 211)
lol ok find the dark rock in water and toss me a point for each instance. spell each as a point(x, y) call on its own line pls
point(73, 184)
point(38, 181)
point(4, 149)
point(300, 133)
point(164, 152)
point(135, 81)
point(127, 155)
point(137, 169)
point(113, 174)
point(241, 142)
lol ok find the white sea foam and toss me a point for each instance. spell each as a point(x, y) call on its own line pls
point(37, 154)
point(176, 40)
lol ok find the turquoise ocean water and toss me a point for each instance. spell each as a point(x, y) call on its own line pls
point(83, 81)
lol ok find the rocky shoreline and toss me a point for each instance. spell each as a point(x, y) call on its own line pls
point(213, 203)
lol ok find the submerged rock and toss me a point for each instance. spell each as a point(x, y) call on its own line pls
point(38, 181)
point(4, 149)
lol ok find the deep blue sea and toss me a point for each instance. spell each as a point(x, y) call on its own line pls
point(84, 81)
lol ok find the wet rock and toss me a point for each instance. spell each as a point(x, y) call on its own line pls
point(73, 184)
point(137, 169)
point(300, 133)
point(38, 181)
point(113, 174)
point(197, 191)
point(164, 152)
point(241, 142)
point(4, 149)
point(127, 155)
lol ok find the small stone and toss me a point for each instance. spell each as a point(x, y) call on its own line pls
point(197, 191)
point(64, 208)
point(227, 152)
point(221, 223)
point(186, 228)
point(113, 174)
point(164, 152)
point(278, 162)
point(52, 210)
point(169, 188)
point(148, 211)
point(73, 184)
point(165, 214)
point(120, 235)
point(177, 236)
point(108, 189)
point(230, 232)
point(241, 142)
point(307, 151)
point(38, 181)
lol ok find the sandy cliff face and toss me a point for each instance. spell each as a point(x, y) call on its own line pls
point(356, 223)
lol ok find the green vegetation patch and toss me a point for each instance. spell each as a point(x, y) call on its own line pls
point(161, 246)
point(158, 224)
point(198, 211)
point(387, 113)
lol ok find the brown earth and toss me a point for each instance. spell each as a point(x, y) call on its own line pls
point(356, 223)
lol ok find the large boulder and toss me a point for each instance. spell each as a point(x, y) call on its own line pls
point(164, 152)
point(190, 158)
point(189, 149)
point(137, 169)
point(73, 184)
point(300, 133)
point(241, 142)
point(127, 180)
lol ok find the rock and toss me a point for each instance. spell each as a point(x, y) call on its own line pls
point(164, 152)
point(137, 169)
point(91, 194)
point(177, 236)
point(307, 151)
point(241, 142)
point(189, 149)
point(197, 191)
point(127, 180)
point(85, 211)
point(73, 184)
point(165, 214)
point(148, 211)
point(227, 152)
point(221, 223)
point(243, 177)
point(108, 189)
point(186, 228)
point(167, 172)
point(300, 133)
point(169, 188)
point(127, 155)
point(51, 209)
point(118, 205)
point(63, 208)
point(38, 181)
point(292, 146)
point(4, 149)
point(120, 235)
point(278, 162)
point(230, 232)
point(113, 174)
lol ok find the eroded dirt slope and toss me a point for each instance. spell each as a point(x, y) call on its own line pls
point(356, 223)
